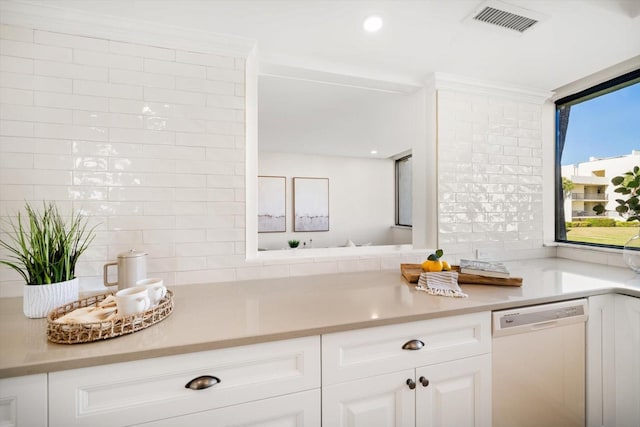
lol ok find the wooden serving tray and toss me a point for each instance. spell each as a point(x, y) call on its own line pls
point(411, 272)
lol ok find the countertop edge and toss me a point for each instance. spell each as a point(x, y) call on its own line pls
point(84, 362)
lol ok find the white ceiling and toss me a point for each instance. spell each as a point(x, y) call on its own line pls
point(577, 38)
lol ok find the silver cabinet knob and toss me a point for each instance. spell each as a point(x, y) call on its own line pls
point(413, 345)
point(200, 383)
point(411, 383)
point(424, 381)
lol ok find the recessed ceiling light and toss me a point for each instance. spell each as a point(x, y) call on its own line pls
point(372, 23)
point(374, 151)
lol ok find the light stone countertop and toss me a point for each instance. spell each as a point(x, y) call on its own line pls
point(210, 316)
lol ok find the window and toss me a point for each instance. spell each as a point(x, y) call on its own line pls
point(597, 138)
point(404, 191)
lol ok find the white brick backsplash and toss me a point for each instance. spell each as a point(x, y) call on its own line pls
point(14, 64)
point(73, 71)
point(14, 192)
point(63, 100)
point(174, 96)
point(66, 40)
point(142, 79)
point(173, 152)
point(140, 136)
point(205, 59)
point(31, 82)
point(52, 161)
point(29, 113)
point(35, 176)
point(10, 32)
point(149, 141)
point(205, 140)
point(84, 87)
point(207, 86)
point(108, 60)
point(174, 68)
point(143, 51)
point(35, 51)
point(16, 128)
point(225, 101)
point(225, 75)
point(140, 194)
point(107, 119)
point(16, 96)
point(16, 160)
point(52, 130)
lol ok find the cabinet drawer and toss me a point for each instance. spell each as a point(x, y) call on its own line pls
point(146, 390)
point(293, 410)
point(373, 351)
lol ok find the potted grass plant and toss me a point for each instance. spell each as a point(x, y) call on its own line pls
point(44, 250)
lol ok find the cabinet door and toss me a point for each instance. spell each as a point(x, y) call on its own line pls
point(380, 401)
point(23, 401)
point(293, 410)
point(600, 393)
point(458, 393)
point(627, 361)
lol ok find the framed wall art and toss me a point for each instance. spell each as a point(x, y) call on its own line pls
point(272, 217)
point(311, 204)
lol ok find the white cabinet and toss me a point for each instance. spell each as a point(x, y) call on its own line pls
point(155, 389)
point(428, 373)
point(293, 410)
point(458, 393)
point(613, 361)
point(383, 400)
point(23, 401)
point(627, 336)
point(600, 362)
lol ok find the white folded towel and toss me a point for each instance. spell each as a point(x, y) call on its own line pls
point(444, 283)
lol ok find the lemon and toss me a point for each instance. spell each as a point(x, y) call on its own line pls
point(432, 266)
point(446, 266)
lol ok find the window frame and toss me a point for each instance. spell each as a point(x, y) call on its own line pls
point(397, 187)
point(603, 88)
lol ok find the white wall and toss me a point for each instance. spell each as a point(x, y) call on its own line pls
point(361, 198)
point(489, 170)
point(145, 133)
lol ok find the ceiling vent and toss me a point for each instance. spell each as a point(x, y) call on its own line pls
point(507, 16)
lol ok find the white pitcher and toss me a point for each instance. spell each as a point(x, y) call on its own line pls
point(132, 266)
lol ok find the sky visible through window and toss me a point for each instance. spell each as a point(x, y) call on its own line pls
point(605, 126)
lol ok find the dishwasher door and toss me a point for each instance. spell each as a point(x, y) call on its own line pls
point(538, 365)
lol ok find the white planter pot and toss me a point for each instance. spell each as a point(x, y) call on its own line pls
point(39, 300)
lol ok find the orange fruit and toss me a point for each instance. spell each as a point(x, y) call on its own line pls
point(432, 266)
point(446, 266)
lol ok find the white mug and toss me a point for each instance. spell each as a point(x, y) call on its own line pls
point(155, 288)
point(132, 301)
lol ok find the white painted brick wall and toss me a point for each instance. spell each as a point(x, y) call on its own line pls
point(128, 134)
point(490, 175)
point(149, 142)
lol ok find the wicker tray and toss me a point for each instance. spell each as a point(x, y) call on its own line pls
point(76, 333)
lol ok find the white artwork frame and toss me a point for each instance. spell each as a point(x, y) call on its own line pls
point(310, 204)
point(272, 204)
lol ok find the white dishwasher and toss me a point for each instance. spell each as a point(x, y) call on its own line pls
point(538, 365)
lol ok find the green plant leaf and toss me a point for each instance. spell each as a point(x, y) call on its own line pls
point(617, 180)
point(44, 249)
point(439, 253)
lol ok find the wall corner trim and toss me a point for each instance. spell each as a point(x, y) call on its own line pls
point(445, 81)
point(69, 21)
